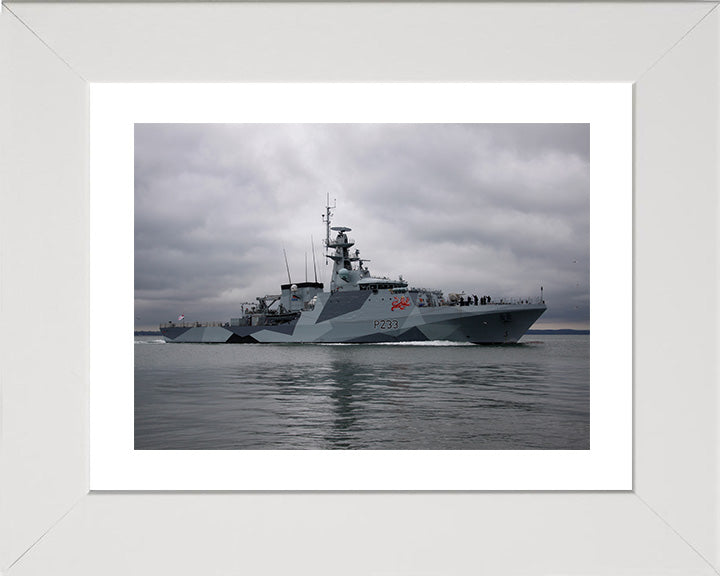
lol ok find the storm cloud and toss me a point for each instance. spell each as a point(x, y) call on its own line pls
point(488, 209)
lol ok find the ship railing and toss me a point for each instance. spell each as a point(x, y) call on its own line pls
point(426, 290)
point(194, 324)
point(534, 300)
point(463, 301)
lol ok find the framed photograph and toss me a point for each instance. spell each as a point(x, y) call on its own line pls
point(575, 128)
point(61, 364)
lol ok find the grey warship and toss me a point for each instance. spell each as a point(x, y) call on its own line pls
point(362, 308)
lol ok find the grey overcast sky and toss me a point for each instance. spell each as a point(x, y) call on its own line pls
point(489, 209)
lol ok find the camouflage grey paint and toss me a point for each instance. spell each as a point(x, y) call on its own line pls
point(341, 303)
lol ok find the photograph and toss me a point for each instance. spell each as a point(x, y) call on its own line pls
point(362, 286)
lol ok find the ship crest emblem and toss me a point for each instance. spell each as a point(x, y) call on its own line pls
point(400, 303)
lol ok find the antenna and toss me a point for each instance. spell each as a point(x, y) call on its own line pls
point(286, 266)
point(326, 218)
point(312, 242)
point(306, 266)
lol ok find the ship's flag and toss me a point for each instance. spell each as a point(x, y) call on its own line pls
point(181, 317)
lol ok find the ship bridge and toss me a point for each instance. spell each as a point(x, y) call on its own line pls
point(374, 284)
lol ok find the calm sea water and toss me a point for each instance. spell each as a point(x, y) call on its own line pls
point(534, 395)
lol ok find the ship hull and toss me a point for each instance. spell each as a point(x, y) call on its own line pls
point(371, 319)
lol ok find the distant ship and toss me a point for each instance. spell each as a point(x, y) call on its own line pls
point(362, 308)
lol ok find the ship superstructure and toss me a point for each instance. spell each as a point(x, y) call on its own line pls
point(362, 308)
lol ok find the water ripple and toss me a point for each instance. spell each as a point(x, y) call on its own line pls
point(532, 396)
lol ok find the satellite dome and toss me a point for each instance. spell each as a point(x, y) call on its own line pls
point(293, 287)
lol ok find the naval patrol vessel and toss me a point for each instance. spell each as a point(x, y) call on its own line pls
point(360, 307)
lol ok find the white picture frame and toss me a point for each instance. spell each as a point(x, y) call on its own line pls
point(668, 523)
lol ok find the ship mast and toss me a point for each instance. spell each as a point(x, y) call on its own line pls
point(326, 218)
point(344, 276)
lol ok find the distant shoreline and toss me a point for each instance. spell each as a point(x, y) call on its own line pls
point(561, 332)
